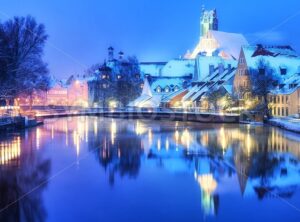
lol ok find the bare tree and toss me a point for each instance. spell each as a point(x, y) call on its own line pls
point(22, 69)
point(263, 80)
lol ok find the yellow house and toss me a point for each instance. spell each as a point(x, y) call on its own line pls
point(285, 103)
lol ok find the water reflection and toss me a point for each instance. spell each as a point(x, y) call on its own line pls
point(262, 162)
point(21, 171)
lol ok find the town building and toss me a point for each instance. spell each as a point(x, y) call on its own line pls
point(285, 101)
point(72, 92)
point(211, 66)
point(282, 63)
point(115, 82)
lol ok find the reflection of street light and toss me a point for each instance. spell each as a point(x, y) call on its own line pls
point(207, 183)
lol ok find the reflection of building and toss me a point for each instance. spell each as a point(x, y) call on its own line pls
point(10, 152)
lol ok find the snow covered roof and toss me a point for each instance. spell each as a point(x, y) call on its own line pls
point(228, 88)
point(152, 68)
point(279, 58)
point(289, 86)
point(179, 68)
point(230, 43)
point(147, 89)
point(167, 82)
point(204, 63)
point(220, 76)
point(147, 99)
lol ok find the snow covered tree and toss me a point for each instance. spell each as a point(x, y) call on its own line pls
point(22, 69)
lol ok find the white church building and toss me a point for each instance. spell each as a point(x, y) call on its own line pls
point(211, 65)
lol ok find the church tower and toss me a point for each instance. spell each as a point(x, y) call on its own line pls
point(209, 21)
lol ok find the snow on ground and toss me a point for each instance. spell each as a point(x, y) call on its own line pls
point(286, 123)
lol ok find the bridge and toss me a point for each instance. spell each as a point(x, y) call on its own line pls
point(151, 114)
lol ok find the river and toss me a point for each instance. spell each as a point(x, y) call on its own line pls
point(97, 169)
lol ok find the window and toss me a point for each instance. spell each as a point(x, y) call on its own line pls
point(158, 89)
point(167, 89)
point(287, 111)
point(119, 76)
point(283, 71)
point(262, 71)
point(176, 88)
point(242, 60)
point(274, 111)
point(286, 99)
point(278, 111)
point(282, 111)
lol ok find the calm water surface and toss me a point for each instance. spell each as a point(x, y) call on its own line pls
point(95, 169)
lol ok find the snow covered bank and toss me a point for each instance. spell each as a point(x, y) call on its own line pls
point(286, 123)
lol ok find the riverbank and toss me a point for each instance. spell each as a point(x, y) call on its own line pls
point(289, 124)
point(18, 122)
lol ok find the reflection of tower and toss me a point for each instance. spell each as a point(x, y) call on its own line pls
point(209, 21)
point(110, 54)
point(243, 165)
point(208, 185)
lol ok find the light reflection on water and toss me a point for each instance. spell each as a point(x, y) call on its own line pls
point(255, 163)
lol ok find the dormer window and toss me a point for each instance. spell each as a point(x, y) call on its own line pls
point(158, 89)
point(176, 88)
point(167, 89)
point(119, 77)
point(283, 71)
point(292, 85)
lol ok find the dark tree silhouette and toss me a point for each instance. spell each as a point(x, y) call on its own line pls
point(23, 70)
point(263, 80)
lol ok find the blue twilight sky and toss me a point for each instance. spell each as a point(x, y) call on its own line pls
point(80, 31)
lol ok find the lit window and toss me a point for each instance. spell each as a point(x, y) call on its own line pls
point(158, 89)
point(167, 89)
